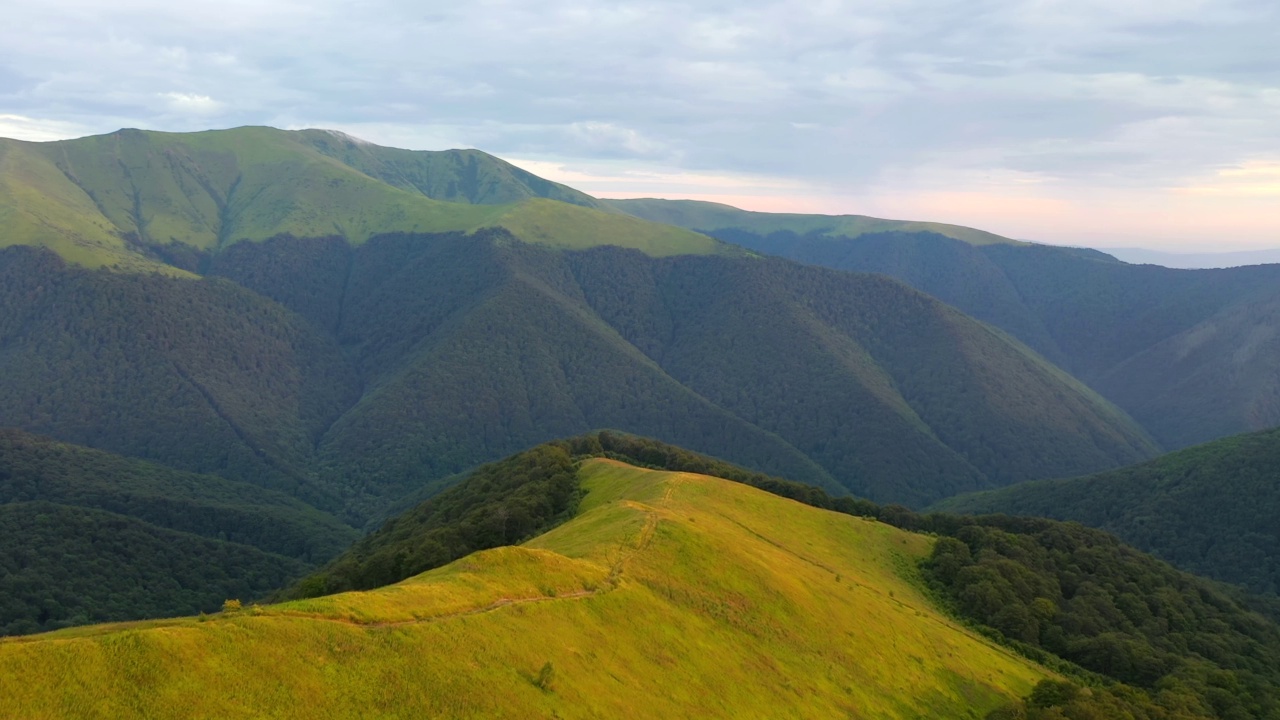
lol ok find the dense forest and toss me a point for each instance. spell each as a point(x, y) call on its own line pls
point(89, 537)
point(1132, 633)
point(352, 377)
point(1190, 354)
point(1210, 509)
point(66, 566)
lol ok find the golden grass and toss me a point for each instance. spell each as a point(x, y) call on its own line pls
point(670, 595)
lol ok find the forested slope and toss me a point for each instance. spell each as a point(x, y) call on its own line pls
point(1190, 354)
point(354, 376)
point(1209, 509)
point(88, 536)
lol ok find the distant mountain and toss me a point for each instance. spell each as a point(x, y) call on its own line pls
point(716, 217)
point(1195, 260)
point(89, 536)
point(149, 200)
point(1189, 354)
point(353, 376)
point(1209, 509)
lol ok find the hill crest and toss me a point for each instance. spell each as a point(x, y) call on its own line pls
point(669, 594)
point(144, 200)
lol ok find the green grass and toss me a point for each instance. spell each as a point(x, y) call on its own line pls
point(670, 595)
point(81, 198)
point(709, 216)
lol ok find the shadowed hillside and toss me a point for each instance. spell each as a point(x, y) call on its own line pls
point(359, 375)
point(1209, 509)
point(1190, 354)
point(89, 537)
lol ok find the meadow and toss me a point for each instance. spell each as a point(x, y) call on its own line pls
point(669, 594)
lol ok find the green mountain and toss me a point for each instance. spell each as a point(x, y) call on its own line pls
point(147, 200)
point(718, 218)
point(90, 536)
point(354, 376)
point(665, 592)
point(1190, 354)
point(1209, 509)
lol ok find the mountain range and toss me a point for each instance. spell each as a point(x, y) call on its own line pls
point(1192, 355)
point(434, 351)
point(370, 385)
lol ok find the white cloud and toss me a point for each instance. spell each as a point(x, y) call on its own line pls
point(191, 103)
point(18, 127)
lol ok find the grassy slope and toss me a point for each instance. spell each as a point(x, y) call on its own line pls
point(83, 197)
point(1209, 509)
point(707, 216)
point(466, 176)
point(669, 595)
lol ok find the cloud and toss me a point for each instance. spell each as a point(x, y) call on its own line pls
point(836, 99)
point(37, 130)
point(191, 103)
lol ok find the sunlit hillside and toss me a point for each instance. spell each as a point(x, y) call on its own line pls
point(141, 200)
point(668, 595)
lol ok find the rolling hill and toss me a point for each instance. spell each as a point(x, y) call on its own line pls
point(719, 218)
point(1188, 353)
point(141, 200)
point(1209, 509)
point(668, 595)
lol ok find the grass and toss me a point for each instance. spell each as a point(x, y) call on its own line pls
point(207, 190)
point(715, 216)
point(670, 595)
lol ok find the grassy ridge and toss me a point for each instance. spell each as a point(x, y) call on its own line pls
point(138, 199)
point(669, 595)
point(708, 216)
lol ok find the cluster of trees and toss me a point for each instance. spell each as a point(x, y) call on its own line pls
point(498, 504)
point(1081, 595)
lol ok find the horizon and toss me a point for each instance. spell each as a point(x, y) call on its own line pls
point(1208, 257)
point(1149, 125)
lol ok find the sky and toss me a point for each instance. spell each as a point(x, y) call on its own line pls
point(1148, 123)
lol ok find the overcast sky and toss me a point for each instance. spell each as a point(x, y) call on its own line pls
point(1096, 122)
